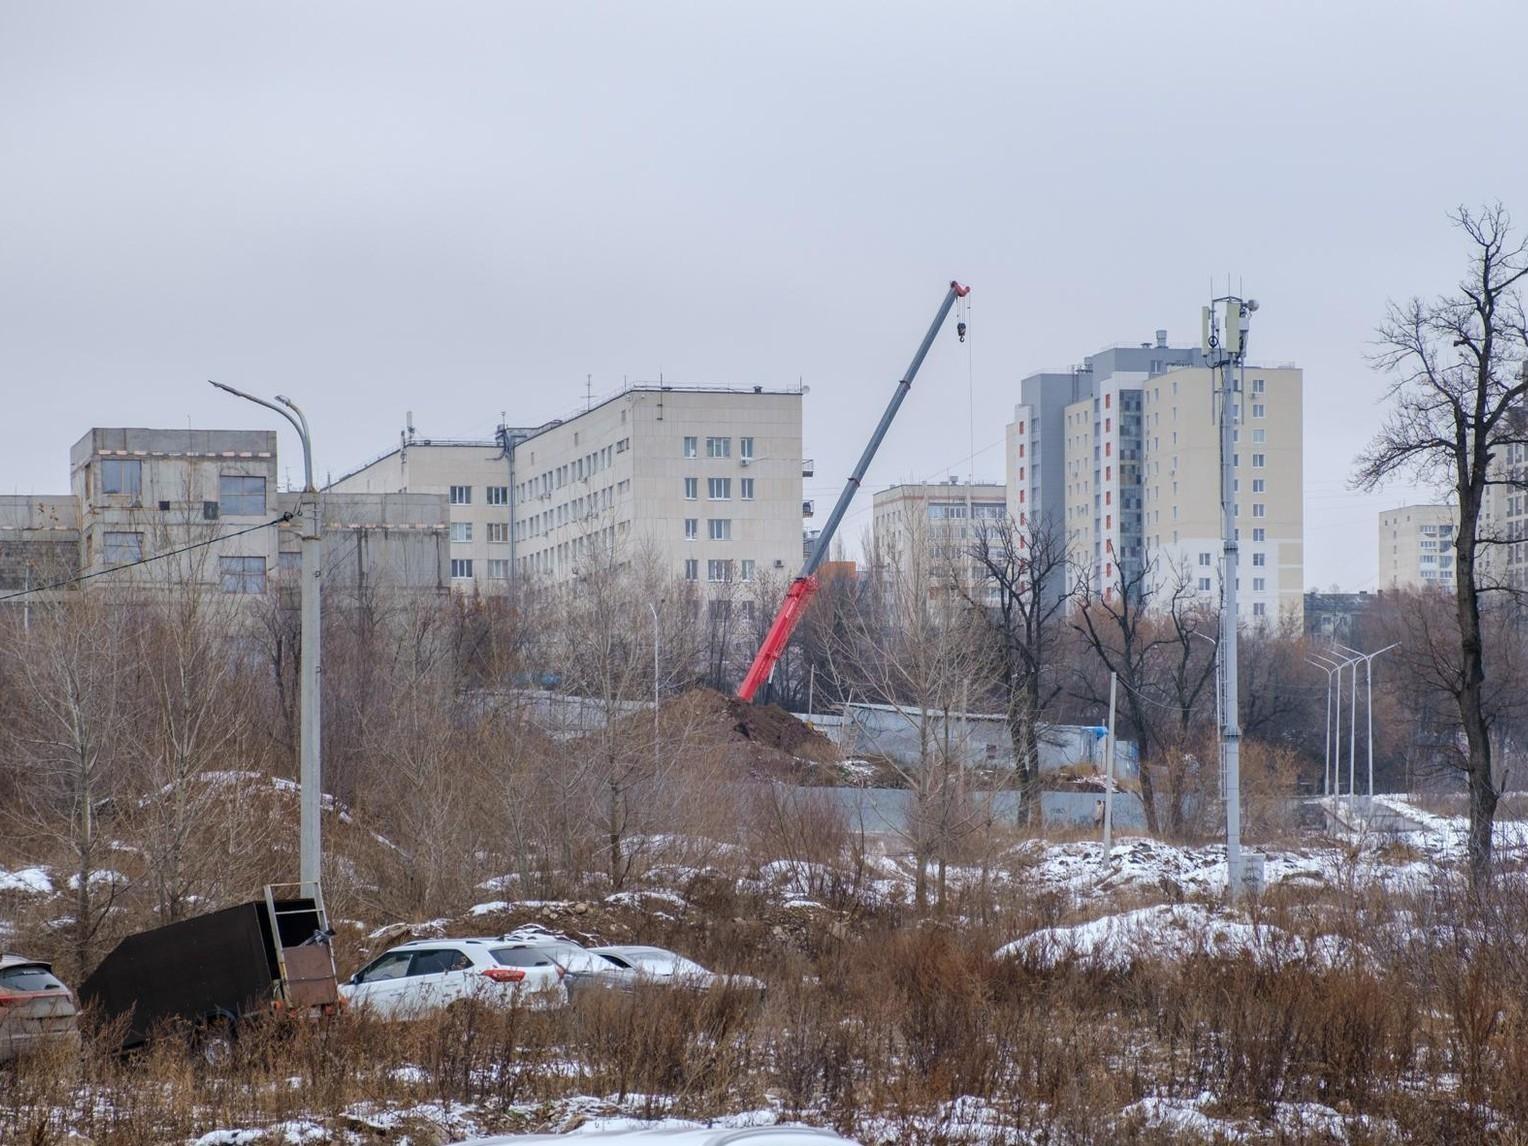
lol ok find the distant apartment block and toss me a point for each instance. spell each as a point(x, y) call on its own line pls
point(151, 507)
point(704, 482)
point(1120, 457)
point(1416, 547)
point(1504, 522)
point(923, 534)
point(1075, 452)
point(1181, 488)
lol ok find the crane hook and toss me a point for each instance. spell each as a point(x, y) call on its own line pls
point(960, 329)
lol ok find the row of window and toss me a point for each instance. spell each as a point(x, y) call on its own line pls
point(717, 528)
point(718, 489)
point(493, 495)
point(461, 568)
point(718, 447)
point(579, 469)
point(718, 569)
point(239, 495)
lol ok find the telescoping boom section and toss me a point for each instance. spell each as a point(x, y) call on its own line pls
point(802, 588)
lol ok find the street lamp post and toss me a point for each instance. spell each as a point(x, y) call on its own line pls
point(653, 609)
point(310, 766)
point(1326, 740)
point(1368, 659)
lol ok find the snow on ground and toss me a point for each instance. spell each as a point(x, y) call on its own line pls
point(27, 880)
point(1170, 932)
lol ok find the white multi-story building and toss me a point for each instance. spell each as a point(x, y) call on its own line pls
point(925, 533)
point(1416, 547)
point(705, 483)
point(1181, 487)
point(1121, 457)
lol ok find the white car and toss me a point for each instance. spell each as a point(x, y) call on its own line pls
point(626, 967)
point(426, 975)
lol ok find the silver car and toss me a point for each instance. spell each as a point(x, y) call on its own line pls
point(35, 1008)
point(623, 968)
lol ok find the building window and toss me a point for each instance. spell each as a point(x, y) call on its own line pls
point(462, 494)
point(498, 569)
point(625, 443)
point(122, 477)
point(122, 548)
point(691, 447)
point(242, 574)
point(1204, 584)
point(498, 532)
point(1204, 558)
point(747, 570)
point(1257, 485)
point(1257, 409)
point(691, 569)
point(719, 528)
point(1259, 533)
point(240, 495)
point(1258, 460)
point(1259, 609)
point(461, 531)
point(1259, 560)
point(1258, 385)
point(461, 568)
point(1259, 584)
point(1259, 437)
point(498, 495)
point(719, 489)
point(745, 486)
point(718, 570)
point(691, 528)
point(718, 447)
point(691, 489)
point(745, 449)
point(1258, 509)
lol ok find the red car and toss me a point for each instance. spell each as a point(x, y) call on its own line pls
point(35, 1008)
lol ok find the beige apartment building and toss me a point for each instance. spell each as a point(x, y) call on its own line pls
point(1416, 547)
point(923, 533)
point(1504, 520)
point(705, 482)
point(1181, 487)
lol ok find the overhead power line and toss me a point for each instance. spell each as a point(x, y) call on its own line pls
point(64, 584)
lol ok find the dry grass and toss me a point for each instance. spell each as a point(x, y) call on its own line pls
point(875, 1028)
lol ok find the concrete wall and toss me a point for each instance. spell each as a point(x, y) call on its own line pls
point(982, 741)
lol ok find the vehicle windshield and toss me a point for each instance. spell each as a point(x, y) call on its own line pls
point(29, 977)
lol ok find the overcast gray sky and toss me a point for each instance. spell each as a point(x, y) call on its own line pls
point(465, 208)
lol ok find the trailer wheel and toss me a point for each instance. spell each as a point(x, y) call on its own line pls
point(214, 1041)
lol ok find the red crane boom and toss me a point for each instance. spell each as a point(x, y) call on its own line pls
point(802, 588)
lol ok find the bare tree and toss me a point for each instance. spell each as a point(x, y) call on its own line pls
point(1457, 419)
point(1152, 636)
point(70, 674)
point(1021, 600)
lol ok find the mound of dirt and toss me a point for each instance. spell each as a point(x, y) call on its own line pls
point(770, 737)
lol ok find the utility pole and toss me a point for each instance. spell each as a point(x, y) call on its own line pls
point(1109, 776)
point(656, 756)
point(310, 767)
point(1224, 326)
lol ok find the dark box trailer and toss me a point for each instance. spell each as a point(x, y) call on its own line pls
point(265, 956)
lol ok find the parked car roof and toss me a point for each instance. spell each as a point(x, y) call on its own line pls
point(11, 959)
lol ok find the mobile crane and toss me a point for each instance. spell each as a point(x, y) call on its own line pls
point(805, 584)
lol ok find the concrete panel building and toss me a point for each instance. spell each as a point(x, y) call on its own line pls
point(1416, 547)
point(1504, 521)
point(705, 482)
point(923, 533)
point(1075, 453)
point(152, 508)
point(1181, 486)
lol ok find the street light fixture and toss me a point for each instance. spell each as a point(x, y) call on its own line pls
point(310, 767)
point(1336, 664)
point(1368, 659)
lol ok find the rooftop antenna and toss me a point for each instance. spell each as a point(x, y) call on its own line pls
point(408, 421)
point(588, 392)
